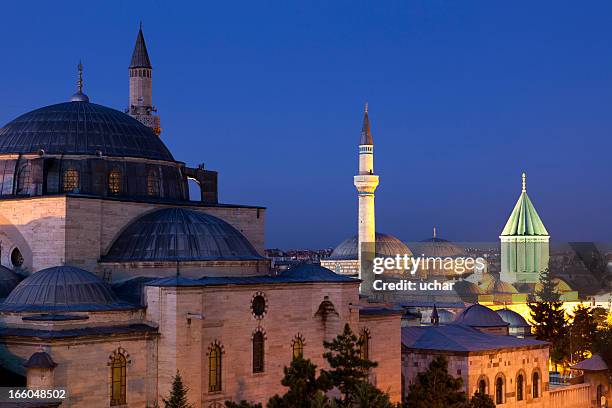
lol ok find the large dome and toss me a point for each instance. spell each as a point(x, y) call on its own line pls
point(62, 288)
point(386, 246)
point(81, 128)
point(178, 234)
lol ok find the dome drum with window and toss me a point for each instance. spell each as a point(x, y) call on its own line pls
point(83, 148)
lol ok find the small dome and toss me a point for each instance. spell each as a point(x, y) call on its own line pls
point(386, 246)
point(503, 287)
point(514, 319)
point(466, 288)
point(178, 234)
point(478, 315)
point(81, 128)
point(62, 288)
point(8, 281)
point(40, 359)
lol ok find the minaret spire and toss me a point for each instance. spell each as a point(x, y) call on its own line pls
point(434, 232)
point(524, 176)
point(366, 182)
point(79, 96)
point(141, 86)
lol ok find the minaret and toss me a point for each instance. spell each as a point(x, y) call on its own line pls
point(366, 182)
point(141, 86)
point(524, 242)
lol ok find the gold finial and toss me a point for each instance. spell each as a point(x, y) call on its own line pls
point(524, 182)
point(366, 107)
point(80, 79)
point(434, 232)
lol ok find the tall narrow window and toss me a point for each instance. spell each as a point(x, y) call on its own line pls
point(364, 344)
point(153, 183)
point(258, 352)
point(214, 369)
point(499, 391)
point(23, 179)
point(114, 181)
point(298, 347)
point(71, 180)
point(536, 385)
point(118, 365)
point(519, 387)
point(482, 386)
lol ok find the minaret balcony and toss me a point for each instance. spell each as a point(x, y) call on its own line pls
point(366, 183)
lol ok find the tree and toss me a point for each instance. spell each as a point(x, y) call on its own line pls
point(178, 394)
point(242, 404)
point(368, 396)
point(302, 383)
point(436, 388)
point(582, 332)
point(602, 344)
point(348, 367)
point(481, 401)
point(548, 318)
point(601, 316)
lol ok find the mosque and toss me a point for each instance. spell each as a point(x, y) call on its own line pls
point(113, 280)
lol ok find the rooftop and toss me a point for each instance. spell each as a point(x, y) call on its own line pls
point(460, 338)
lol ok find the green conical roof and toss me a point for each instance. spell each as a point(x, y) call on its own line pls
point(524, 219)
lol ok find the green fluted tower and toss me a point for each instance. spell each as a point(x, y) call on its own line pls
point(524, 243)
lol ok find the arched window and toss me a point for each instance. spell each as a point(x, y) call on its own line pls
point(214, 368)
point(520, 387)
point(297, 347)
point(536, 385)
point(118, 364)
point(364, 344)
point(258, 352)
point(16, 258)
point(153, 183)
point(482, 386)
point(23, 179)
point(71, 180)
point(114, 181)
point(499, 390)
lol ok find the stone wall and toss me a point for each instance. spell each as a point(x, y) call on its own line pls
point(385, 346)
point(36, 226)
point(83, 367)
point(51, 230)
point(472, 367)
point(191, 320)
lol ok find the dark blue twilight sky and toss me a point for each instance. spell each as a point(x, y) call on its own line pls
point(463, 97)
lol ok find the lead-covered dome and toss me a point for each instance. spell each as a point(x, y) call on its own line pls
point(386, 246)
point(478, 315)
point(80, 127)
point(62, 288)
point(514, 319)
point(179, 234)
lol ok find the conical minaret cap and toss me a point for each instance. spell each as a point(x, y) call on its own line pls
point(366, 133)
point(140, 56)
